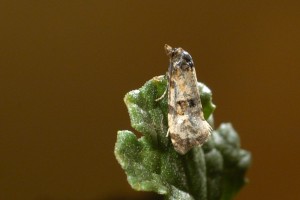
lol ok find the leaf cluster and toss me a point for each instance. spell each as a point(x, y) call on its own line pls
point(215, 171)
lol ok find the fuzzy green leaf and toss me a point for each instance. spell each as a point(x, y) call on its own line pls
point(214, 172)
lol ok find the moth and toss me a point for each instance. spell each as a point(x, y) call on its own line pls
point(187, 126)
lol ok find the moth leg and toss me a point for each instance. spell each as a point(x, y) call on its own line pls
point(162, 124)
point(165, 92)
point(168, 132)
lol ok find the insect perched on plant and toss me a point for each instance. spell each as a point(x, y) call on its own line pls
point(187, 126)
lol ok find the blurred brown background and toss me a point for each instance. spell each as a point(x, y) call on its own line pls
point(66, 65)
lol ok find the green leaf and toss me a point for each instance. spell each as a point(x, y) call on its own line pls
point(236, 160)
point(211, 172)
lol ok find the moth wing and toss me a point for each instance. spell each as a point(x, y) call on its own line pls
point(187, 125)
point(187, 134)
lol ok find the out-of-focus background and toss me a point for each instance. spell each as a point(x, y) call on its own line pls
point(65, 67)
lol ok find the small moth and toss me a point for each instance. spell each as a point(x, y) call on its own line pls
point(187, 126)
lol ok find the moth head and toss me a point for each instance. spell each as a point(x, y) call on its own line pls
point(179, 57)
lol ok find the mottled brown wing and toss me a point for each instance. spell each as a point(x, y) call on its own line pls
point(187, 126)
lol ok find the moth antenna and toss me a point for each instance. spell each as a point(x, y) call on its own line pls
point(162, 96)
point(169, 50)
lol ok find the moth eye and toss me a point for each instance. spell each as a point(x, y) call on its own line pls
point(191, 103)
point(188, 59)
point(173, 54)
